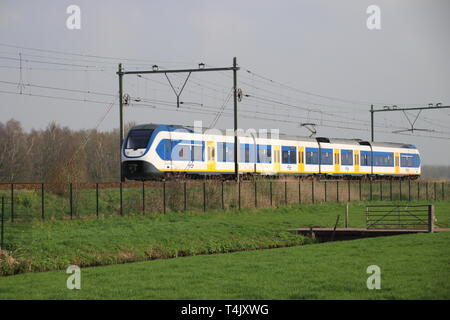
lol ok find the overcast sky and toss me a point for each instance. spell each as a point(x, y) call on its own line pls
point(320, 47)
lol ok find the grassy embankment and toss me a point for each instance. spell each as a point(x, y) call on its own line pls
point(412, 267)
point(54, 245)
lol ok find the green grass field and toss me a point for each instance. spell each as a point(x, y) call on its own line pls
point(412, 267)
point(54, 245)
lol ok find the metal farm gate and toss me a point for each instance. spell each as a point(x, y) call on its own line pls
point(418, 217)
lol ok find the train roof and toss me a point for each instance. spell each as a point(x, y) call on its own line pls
point(354, 142)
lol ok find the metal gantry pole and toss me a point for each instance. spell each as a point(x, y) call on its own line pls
point(120, 73)
point(371, 122)
point(236, 162)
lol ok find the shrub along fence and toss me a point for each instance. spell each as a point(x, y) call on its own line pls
point(45, 201)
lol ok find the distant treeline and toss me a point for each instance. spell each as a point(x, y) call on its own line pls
point(59, 154)
point(436, 172)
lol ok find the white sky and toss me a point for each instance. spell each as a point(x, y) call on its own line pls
point(322, 47)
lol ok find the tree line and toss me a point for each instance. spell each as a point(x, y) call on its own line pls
point(57, 154)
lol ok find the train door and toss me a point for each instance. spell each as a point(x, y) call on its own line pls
point(336, 161)
point(211, 155)
point(301, 159)
point(356, 161)
point(276, 156)
point(397, 163)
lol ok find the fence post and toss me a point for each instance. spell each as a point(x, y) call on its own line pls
point(390, 189)
point(71, 200)
point(299, 191)
point(346, 216)
point(96, 200)
point(370, 188)
point(143, 197)
point(239, 195)
point(426, 187)
point(409, 190)
point(164, 196)
point(360, 189)
point(337, 191)
point(256, 196)
point(185, 194)
point(42, 202)
point(121, 199)
point(204, 196)
point(348, 190)
point(285, 193)
point(2, 230)
point(400, 185)
point(435, 191)
point(443, 197)
point(381, 190)
point(312, 190)
point(325, 187)
point(12, 202)
point(430, 218)
point(418, 190)
point(271, 197)
point(223, 196)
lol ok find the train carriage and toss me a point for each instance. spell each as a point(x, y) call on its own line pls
point(150, 151)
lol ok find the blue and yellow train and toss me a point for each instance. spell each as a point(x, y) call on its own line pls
point(151, 151)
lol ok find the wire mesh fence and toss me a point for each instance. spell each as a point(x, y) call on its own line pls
point(45, 201)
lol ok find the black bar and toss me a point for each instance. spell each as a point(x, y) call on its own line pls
point(120, 73)
point(235, 99)
point(12, 202)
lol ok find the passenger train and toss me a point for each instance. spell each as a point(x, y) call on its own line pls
point(152, 151)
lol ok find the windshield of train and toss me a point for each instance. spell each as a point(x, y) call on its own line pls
point(138, 139)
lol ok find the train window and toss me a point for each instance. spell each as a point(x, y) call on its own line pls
point(347, 157)
point(326, 156)
point(264, 153)
point(197, 153)
point(138, 139)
